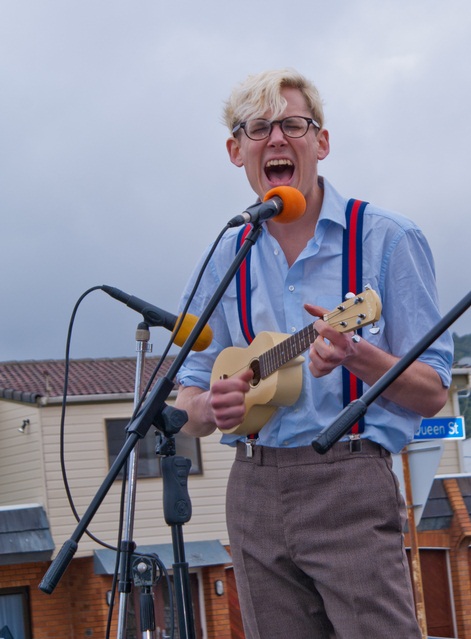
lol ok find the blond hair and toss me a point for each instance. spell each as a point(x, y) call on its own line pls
point(262, 92)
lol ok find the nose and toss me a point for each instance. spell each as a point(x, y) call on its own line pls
point(276, 136)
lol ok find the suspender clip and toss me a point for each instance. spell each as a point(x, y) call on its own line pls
point(355, 443)
point(249, 445)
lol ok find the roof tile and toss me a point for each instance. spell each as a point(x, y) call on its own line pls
point(107, 376)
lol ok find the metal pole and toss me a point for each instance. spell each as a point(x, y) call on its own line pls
point(414, 548)
point(127, 545)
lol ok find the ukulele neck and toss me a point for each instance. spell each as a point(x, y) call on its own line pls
point(289, 349)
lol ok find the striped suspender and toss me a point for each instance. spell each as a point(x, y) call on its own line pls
point(244, 288)
point(352, 282)
point(244, 304)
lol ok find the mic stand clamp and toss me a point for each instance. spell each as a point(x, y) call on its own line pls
point(170, 421)
point(144, 571)
point(177, 508)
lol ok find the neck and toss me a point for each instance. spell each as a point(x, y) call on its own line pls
point(294, 236)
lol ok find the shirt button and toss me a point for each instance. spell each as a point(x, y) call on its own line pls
point(276, 251)
point(293, 329)
point(291, 288)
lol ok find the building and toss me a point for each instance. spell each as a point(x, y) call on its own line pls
point(36, 519)
point(442, 578)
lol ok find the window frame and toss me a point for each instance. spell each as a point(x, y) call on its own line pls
point(25, 607)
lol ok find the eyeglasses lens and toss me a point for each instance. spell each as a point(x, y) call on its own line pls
point(293, 127)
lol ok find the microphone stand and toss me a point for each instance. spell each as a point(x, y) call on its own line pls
point(149, 414)
point(128, 546)
point(356, 409)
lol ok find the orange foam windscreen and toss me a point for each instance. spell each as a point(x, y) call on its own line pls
point(294, 203)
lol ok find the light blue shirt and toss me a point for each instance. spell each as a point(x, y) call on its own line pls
point(397, 264)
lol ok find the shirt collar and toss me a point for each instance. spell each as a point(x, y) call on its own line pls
point(333, 204)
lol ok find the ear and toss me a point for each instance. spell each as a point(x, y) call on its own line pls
point(233, 148)
point(323, 144)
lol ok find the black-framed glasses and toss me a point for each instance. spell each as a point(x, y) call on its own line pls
point(295, 126)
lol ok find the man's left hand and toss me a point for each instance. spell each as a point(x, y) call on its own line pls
point(330, 348)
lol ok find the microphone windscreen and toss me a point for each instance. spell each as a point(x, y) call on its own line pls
point(294, 203)
point(204, 338)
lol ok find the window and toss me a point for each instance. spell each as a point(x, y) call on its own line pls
point(14, 614)
point(148, 462)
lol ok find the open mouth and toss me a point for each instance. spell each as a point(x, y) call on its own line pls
point(279, 171)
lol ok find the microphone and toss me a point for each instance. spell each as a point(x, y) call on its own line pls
point(283, 203)
point(155, 316)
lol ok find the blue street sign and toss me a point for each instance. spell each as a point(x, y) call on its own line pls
point(441, 428)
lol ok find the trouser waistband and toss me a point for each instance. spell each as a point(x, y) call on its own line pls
point(268, 456)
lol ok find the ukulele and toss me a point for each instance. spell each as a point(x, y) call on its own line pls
point(275, 360)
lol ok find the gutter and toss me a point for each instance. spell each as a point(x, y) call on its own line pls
point(43, 400)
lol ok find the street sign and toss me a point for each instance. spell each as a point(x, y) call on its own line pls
point(441, 428)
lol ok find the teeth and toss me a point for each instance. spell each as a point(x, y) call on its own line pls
point(279, 163)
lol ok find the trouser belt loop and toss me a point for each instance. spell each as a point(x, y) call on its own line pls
point(259, 455)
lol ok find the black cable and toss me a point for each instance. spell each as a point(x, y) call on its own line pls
point(62, 420)
point(135, 411)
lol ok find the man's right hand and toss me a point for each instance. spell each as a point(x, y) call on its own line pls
point(227, 400)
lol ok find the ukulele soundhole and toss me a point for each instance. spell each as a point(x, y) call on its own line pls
point(255, 368)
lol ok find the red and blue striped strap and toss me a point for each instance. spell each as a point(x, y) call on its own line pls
point(244, 288)
point(244, 297)
point(352, 282)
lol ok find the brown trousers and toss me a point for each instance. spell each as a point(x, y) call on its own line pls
point(317, 544)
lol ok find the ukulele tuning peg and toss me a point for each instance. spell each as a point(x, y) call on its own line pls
point(356, 338)
point(374, 330)
point(349, 296)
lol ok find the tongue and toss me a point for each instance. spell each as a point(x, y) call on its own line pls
point(279, 174)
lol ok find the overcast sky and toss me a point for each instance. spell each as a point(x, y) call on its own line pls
point(113, 168)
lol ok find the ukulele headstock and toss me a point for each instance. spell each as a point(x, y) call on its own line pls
point(355, 312)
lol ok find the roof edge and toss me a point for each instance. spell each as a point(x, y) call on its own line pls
point(84, 399)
